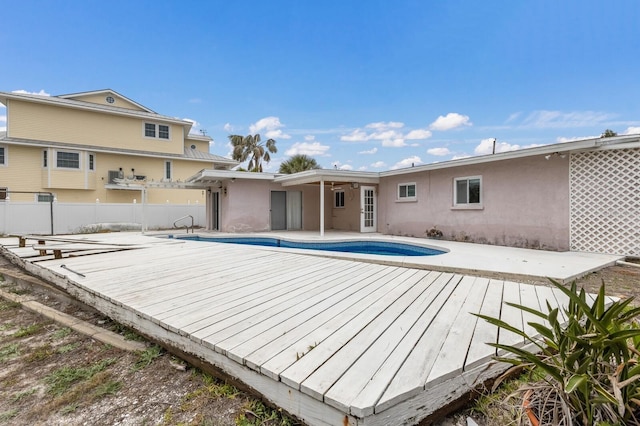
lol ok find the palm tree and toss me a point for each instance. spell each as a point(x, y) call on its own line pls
point(298, 163)
point(250, 147)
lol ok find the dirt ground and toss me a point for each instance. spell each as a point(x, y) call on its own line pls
point(52, 375)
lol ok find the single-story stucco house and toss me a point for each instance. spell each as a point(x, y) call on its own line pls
point(580, 196)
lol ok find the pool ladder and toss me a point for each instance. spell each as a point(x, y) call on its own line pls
point(187, 226)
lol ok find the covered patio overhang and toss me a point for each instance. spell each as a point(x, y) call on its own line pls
point(322, 176)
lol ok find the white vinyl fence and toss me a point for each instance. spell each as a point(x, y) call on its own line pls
point(73, 218)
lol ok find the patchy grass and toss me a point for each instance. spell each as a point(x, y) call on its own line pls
point(61, 333)
point(211, 389)
point(5, 416)
point(9, 352)
point(5, 305)
point(68, 348)
point(146, 357)
point(108, 388)
point(62, 379)
point(7, 326)
point(19, 396)
point(27, 331)
point(127, 332)
point(256, 413)
point(40, 353)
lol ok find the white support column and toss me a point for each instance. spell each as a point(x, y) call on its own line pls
point(322, 207)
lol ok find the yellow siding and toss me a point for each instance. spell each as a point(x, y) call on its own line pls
point(25, 173)
point(200, 145)
point(28, 120)
point(100, 99)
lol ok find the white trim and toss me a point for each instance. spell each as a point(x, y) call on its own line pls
point(338, 191)
point(55, 157)
point(5, 163)
point(90, 167)
point(156, 130)
point(407, 197)
point(467, 205)
point(164, 171)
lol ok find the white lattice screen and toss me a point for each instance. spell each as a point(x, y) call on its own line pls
point(605, 201)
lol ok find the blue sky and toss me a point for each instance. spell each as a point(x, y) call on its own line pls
point(361, 85)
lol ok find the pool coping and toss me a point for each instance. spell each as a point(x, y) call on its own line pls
point(491, 261)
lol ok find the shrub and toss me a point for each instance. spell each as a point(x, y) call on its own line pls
point(590, 363)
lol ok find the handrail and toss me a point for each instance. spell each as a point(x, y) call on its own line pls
point(184, 217)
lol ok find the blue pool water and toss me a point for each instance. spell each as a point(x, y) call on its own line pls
point(364, 247)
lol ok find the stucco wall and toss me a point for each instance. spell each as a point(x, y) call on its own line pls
point(347, 218)
point(525, 204)
point(246, 206)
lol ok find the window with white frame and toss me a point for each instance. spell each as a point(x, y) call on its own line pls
point(407, 191)
point(168, 170)
point(91, 162)
point(160, 131)
point(467, 191)
point(3, 155)
point(45, 158)
point(67, 160)
point(4, 193)
point(338, 199)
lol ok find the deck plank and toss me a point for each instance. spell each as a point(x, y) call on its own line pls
point(305, 366)
point(412, 375)
point(483, 333)
point(280, 354)
point(360, 388)
point(451, 357)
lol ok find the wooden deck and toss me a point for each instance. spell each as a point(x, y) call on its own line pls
point(330, 341)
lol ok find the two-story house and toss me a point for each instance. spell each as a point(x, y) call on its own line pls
point(78, 146)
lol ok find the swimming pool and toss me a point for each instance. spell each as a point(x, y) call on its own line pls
point(363, 247)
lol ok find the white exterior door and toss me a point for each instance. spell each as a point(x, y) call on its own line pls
point(368, 209)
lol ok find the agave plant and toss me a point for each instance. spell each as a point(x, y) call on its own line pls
point(590, 362)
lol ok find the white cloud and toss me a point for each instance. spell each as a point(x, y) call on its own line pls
point(513, 117)
point(362, 168)
point(308, 148)
point(24, 92)
point(270, 126)
point(418, 134)
point(3, 119)
point(486, 147)
point(355, 136)
point(631, 131)
point(194, 126)
point(450, 121)
point(389, 133)
point(557, 119)
point(379, 165)
point(407, 162)
point(338, 165)
point(394, 143)
point(228, 127)
point(370, 151)
point(561, 139)
point(440, 152)
point(381, 126)
point(458, 157)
